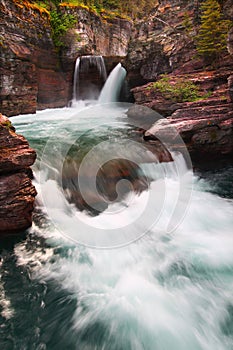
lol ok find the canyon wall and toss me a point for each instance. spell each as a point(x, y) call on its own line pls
point(30, 73)
point(36, 75)
point(94, 34)
point(162, 43)
point(166, 44)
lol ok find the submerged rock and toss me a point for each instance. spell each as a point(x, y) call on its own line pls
point(113, 181)
point(17, 194)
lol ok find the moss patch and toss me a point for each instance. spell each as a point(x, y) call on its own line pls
point(180, 90)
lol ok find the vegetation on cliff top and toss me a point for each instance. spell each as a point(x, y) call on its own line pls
point(61, 21)
point(212, 37)
point(131, 8)
point(32, 5)
point(212, 32)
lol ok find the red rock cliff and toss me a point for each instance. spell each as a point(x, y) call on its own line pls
point(33, 74)
point(17, 193)
point(163, 45)
point(30, 72)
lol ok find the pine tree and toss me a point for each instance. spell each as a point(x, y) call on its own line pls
point(211, 40)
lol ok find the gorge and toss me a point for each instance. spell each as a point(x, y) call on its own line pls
point(35, 74)
point(131, 239)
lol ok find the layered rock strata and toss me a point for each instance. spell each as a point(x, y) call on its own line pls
point(206, 125)
point(17, 194)
point(30, 72)
point(34, 74)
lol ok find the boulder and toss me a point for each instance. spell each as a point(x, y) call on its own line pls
point(207, 131)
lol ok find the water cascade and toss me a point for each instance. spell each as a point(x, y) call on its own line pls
point(93, 71)
point(112, 86)
point(76, 79)
point(166, 290)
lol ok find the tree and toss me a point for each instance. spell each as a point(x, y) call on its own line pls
point(211, 40)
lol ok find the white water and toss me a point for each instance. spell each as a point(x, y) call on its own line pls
point(76, 79)
point(112, 86)
point(166, 291)
point(85, 62)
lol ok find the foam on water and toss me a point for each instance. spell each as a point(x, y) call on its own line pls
point(167, 290)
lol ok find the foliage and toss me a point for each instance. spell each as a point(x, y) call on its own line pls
point(37, 6)
point(211, 40)
point(61, 21)
point(60, 24)
point(74, 4)
point(122, 8)
point(187, 24)
point(182, 90)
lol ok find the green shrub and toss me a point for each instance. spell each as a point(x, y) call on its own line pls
point(60, 23)
point(181, 90)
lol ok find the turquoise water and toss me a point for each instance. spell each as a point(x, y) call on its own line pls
point(165, 290)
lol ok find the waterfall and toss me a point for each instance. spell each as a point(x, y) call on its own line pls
point(76, 78)
point(112, 86)
point(83, 65)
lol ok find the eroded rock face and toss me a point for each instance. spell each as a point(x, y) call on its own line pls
point(17, 194)
point(163, 42)
point(96, 35)
point(29, 67)
point(206, 126)
point(228, 8)
point(230, 86)
point(33, 74)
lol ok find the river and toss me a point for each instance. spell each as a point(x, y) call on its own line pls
point(123, 279)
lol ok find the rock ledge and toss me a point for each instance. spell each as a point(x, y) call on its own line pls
point(17, 194)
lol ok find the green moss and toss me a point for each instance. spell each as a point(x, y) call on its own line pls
point(7, 124)
point(182, 90)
